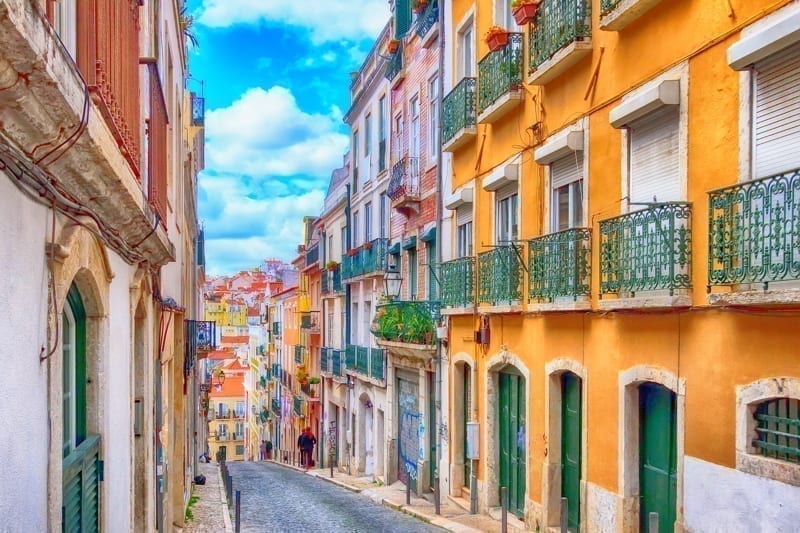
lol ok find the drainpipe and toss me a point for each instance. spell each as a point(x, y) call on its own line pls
point(439, 215)
point(347, 324)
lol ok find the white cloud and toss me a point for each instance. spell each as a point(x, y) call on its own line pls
point(327, 20)
point(265, 133)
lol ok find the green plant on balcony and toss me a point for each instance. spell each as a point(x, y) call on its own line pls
point(313, 380)
point(331, 265)
point(404, 322)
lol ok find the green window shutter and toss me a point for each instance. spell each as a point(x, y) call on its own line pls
point(657, 455)
point(81, 488)
point(402, 18)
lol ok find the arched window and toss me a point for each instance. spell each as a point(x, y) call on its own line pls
point(73, 351)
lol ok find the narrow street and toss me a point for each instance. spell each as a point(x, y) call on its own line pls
point(275, 498)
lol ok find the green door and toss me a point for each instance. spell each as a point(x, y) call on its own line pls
point(467, 410)
point(571, 447)
point(657, 456)
point(512, 440)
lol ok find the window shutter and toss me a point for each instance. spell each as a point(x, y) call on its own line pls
point(566, 170)
point(654, 163)
point(402, 18)
point(463, 214)
point(505, 192)
point(776, 120)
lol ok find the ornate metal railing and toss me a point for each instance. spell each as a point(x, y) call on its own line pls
point(331, 281)
point(558, 23)
point(411, 322)
point(607, 6)
point(366, 361)
point(312, 254)
point(499, 275)
point(459, 109)
point(428, 17)
point(395, 64)
point(405, 178)
point(458, 282)
point(298, 354)
point(366, 259)
point(558, 265)
point(755, 231)
point(500, 72)
point(332, 361)
point(198, 110)
point(647, 250)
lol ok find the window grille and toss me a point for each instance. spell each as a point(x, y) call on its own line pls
point(778, 429)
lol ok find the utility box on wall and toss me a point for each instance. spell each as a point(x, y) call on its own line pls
point(472, 440)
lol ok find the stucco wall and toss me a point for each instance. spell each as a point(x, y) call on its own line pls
point(717, 498)
point(24, 436)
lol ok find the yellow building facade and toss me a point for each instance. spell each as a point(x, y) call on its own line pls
point(621, 291)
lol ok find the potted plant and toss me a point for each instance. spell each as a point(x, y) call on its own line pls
point(419, 5)
point(392, 45)
point(352, 252)
point(331, 265)
point(368, 246)
point(524, 11)
point(313, 380)
point(496, 37)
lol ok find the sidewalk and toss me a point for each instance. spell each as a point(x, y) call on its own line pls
point(453, 517)
point(210, 512)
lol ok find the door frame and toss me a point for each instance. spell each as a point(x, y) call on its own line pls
point(551, 492)
point(629, 381)
point(457, 435)
point(490, 495)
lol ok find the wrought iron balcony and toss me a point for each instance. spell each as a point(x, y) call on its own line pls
point(331, 281)
point(200, 338)
point(557, 24)
point(427, 18)
point(198, 110)
point(459, 109)
point(558, 265)
point(309, 389)
point(276, 406)
point(299, 351)
point(332, 362)
point(647, 250)
point(755, 231)
point(404, 184)
point(395, 65)
point(369, 258)
point(365, 361)
point(312, 254)
point(607, 6)
point(310, 322)
point(458, 282)
point(500, 72)
point(412, 322)
point(499, 275)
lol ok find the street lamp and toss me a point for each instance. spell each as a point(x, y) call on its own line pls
point(218, 378)
point(392, 282)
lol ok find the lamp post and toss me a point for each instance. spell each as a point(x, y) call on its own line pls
point(392, 282)
point(218, 378)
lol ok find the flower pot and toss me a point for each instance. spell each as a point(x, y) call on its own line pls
point(525, 12)
point(419, 7)
point(392, 46)
point(497, 41)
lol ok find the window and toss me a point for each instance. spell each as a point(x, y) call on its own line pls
point(329, 249)
point(384, 217)
point(414, 133)
point(398, 129)
point(222, 429)
point(73, 353)
point(368, 222)
point(367, 134)
point(506, 214)
point(354, 321)
point(431, 247)
point(344, 239)
point(355, 161)
point(240, 449)
point(239, 410)
point(777, 431)
point(382, 134)
point(464, 230)
point(367, 320)
point(433, 120)
point(566, 179)
point(466, 51)
point(776, 114)
point(239, 429)
point(654, 157)
point(412, 274)
point(65, 24)
point(329, 326)
point(355, 230)
point(503, 16)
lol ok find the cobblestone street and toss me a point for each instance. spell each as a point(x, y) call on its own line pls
point(275, 498)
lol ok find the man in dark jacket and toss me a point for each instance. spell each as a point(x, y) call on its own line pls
point(306, 442)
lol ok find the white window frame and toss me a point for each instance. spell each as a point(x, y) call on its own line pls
point(355, 236)
point(433, 117)
point(464, 246)
point(466, 61)
point(367, 134)
point(503, 15)
point(65, 24)
point(69, 404)
point(368, 222)
point(414, 141)
point(510, 206)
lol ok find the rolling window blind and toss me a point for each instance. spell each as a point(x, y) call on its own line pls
point(566, 170)
point(654, 158)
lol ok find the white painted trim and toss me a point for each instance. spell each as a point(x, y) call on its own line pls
point(761, 44)
point(628, 435)
point(559, 145)
point(502, 175)
point(645, 101)
point(747, 457)
point(462, 195)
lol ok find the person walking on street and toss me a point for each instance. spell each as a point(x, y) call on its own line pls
point(306, 443)
point(301, 445)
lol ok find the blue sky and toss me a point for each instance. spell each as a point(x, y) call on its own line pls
point(276, 74)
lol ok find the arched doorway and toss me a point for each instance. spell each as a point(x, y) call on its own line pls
point(658, 451)
point(512, 438)
point(366, 442)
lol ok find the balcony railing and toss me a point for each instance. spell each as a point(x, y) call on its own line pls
point(458, 282)
point(395, 64)
point(607, 6)
point(459, 109)
point(558, 265)
point(309, 389)
point(157, 162)
point(312, 254)
point(411, 322)
point(755, 231)
point(366, 259)
point(499, 276)
point(558, 23)
point(332, 362)
point(647, 250)
point(404, 182)
point(368, 362)
point(331, 281)
point(299, 351)
point(500, 72)
point(198, 110)
point(427, 19)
